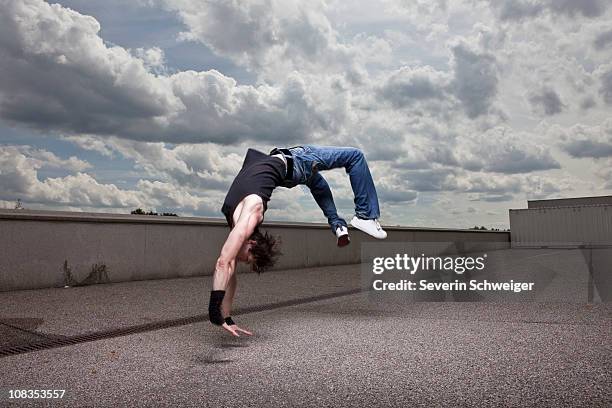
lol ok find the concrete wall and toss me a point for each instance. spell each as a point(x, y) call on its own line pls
point(39, 249)
point(562, 227)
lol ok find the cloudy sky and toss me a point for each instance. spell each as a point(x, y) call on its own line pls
point(463, 108)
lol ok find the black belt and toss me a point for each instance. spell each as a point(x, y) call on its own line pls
point(289, 157)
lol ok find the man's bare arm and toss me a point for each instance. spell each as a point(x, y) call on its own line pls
point(229, 324)
point(229, 296)
point(249, 218)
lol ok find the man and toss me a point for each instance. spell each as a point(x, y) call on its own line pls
point(246, 203)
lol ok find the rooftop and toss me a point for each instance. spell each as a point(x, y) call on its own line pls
point(319, 339)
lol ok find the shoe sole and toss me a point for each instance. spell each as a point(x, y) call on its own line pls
point(343, 241)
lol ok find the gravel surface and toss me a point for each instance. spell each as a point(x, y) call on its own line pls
point(355, 350)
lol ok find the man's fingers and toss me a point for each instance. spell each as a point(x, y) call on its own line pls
point(235, 329)
point(243, 331)
point(230, 329)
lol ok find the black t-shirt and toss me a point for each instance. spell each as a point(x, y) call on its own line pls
point(260, 174)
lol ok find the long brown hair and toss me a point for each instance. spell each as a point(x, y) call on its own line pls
point(265, 251)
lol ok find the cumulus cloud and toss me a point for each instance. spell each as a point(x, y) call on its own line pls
point(269, 37)
point(604, 173)
point(471, 84)
point(603, 40)
point(546, 101)
point(394, 194)
point(475, 79)
point(522, 9)
point(382, 144)
point(506, 187)
point(169, 196)
point(588, 103)
point(195, 166)
point(152, 58)
point(517, 9)
point(427, 180)
point(589, 148)
point(439, 94)
point(586, 8)
point(60, 75)
point(39, 158)
point(19, 179)
point(408, 85)
point(583, 141)
point(248, 39)
point(501, 150)
point(91, 143)
point(481, 183)
point(58, 71)
point(484, 186)
point(606, 85)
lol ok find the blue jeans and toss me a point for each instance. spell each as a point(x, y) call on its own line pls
point(308, 160)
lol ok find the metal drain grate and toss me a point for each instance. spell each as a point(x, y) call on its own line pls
point(164, 324)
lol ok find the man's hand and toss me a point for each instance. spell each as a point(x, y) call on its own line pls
point(235, 330)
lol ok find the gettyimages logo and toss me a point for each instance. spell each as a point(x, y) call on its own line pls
point(412, 264)
point(430, 275)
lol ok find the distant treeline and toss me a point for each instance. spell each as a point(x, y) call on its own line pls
point(483, 228)
point(140, 211)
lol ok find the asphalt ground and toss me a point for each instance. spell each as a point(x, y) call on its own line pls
point(344, 350)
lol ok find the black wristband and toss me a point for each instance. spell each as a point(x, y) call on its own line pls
point(214, 307)
point(229, 321)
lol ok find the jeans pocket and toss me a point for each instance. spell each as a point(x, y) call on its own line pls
point(312, 168)
point(315, 166)
point(299, 174)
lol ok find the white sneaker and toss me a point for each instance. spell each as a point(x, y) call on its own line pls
point(371, 227)
point(343, 237)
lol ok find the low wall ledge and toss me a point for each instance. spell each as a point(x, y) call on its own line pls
point(41, 215)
